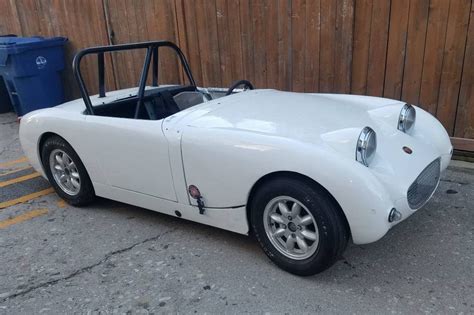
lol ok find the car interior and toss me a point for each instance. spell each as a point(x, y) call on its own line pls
point(158, 103)
point(164, 101)
point(150, 103)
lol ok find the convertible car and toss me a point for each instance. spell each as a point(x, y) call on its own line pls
point(303, 172)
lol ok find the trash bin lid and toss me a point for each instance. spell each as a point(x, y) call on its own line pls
point(15, 45)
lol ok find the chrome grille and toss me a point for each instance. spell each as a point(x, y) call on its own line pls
point(424, 185)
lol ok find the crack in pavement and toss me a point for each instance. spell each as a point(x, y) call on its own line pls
point(5, 148)
point(7, 122)
point(454, 181)
point(83, 269)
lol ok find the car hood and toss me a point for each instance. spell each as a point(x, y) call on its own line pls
point(303, 116)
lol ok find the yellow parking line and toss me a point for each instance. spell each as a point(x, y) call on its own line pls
point(23, 217)
point(26, 198)
point(10, 163)
point(19, 179)
point(61, 203)
point(15, 171)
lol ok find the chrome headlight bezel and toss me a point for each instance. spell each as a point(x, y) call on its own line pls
point(407, 118)
point(366, 146)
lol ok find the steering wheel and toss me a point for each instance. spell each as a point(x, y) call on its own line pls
point(245, 83)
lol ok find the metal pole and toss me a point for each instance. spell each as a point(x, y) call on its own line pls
point(155, 66)
point(141, 88)
point(100, 62)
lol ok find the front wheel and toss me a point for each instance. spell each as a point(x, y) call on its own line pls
point(65, 172)
point(298, 225)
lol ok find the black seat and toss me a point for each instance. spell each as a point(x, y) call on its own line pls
point(158, 107)
point(170, 104)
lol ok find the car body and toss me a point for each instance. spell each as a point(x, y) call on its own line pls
point(226, 145)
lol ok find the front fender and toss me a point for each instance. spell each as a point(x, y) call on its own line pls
point(226, 164)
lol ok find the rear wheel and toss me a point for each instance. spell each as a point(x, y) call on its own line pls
point(298, 225)
point(65, 172)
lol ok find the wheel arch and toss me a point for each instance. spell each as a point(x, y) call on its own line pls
point(86, 192)
point(294, 175)
point(45, 136)
point(41, 140)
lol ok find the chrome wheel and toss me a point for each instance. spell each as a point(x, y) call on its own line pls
point(291, 228)
point(65, 172)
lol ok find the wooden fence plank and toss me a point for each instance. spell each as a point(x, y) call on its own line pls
point(465, 112)
point(312, 46)
point(360, 56)
point(396, 48)
point(284, 44)
point(225, 53)
point(166, 29)
point(208, 42)
point(192, 40)
point(233, 10)
point(29, 16)
point(452, 62)
point(181, 35)
point(10, 23)
point(94, 34)
point(328, 37)
point(343, 53)
point(433, 60)
point(417, 23)
point(271, 37)
point(298, 27)
point(259, 45)
point(127, 70)
point(463, 144)
point(378, 47)
point(248, 39)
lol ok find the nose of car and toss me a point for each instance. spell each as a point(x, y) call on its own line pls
point(399, 160)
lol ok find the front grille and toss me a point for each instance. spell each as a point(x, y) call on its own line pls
point(424, 185)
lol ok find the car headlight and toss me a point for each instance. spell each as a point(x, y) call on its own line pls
point(366, 146)
point(407, 118)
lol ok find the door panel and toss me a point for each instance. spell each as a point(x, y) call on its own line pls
point(133, 154)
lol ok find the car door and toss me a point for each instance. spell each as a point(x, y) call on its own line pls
point(132, 154)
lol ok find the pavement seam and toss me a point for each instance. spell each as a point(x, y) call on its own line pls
point(84, 269)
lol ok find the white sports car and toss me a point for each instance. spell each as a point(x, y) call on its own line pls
point(304, 172)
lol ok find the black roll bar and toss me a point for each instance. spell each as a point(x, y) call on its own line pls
point(100, 64)
point(155, 66)
point(151, 55)
point(141, 89)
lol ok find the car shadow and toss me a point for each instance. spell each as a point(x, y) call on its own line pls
point(395, 255)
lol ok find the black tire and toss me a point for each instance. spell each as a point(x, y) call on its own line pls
point(86, 192)
point(332, 226)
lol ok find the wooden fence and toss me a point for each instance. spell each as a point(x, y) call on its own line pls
point(420, 51)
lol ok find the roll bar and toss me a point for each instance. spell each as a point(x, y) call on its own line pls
point(151, 57)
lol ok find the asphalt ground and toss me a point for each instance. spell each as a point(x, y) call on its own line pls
point(115, 258)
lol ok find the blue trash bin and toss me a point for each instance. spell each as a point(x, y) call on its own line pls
point(30, 67)
point(5, 103)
